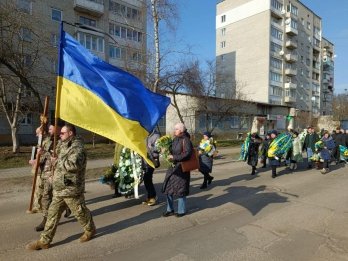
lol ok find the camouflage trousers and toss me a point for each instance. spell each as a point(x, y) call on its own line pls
point(78, 208)
point(37, 205)
point(47, 194)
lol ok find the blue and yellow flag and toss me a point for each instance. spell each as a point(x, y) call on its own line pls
point(104, 99)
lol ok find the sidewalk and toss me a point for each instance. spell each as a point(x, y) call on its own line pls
point(224, 156)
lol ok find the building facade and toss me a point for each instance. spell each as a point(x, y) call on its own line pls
point(275, 50)
point(114, 30)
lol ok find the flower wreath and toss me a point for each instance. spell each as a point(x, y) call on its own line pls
point(129, 172)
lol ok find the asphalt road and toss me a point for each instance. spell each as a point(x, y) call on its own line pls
point(297, 216)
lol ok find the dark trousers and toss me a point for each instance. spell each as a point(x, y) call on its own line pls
point(274, 171)
point(336, 153)
point(150, 188)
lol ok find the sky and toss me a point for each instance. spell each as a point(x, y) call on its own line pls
point(196, 27)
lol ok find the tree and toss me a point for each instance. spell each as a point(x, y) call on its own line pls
point(24, 61)
point(189, 78)
point(161, 11)
point(339, 106)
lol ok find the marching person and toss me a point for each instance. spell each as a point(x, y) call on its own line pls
point(339, 139)
point(308, 144)
point(39, 183)
point(46, 152)
point(206, 151)
point(68, 189)
point(296, 151)
point(253, 151)
point(275, 160)
point(264, 149)
point(177, 182)
point(325, 152)
point(153, 154)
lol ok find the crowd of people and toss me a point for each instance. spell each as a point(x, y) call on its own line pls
point(61, 183)
point(321, 149)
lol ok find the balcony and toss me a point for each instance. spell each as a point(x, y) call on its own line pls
point(91, 7)
point(290, 85)
point(290, 71)
point(289, 99)
point(316, 47)
point(276, 12)
point(291, 44)
point(291, 58)
point(290, 30)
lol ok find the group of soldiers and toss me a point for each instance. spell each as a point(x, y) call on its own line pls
point(61, 184)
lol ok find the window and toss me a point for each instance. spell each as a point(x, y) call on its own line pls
point(54, 40)
point(27, 60)
point(234, 122)
point(223, 44)
point(308, 62)
point(223, 31)
point(223, 18)
point(276, 63)
point(115, 52)
point(275, 47)
point(136, 57)
point(91, 42)
point(27, 119)
point(56, 15)
point(122, 10)
point(88, 21)
point(24, 6)
point(294, 10)
point(294, 24)
point(275, 4)
point(276, 91)
point(276, 33)
point(25, 34)
point(53, 66)
point(316, 42)
point(276, 77)
point(308, 25)
point(222, 57)
point(317, 32)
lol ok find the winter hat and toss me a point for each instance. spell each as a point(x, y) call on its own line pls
point(207, 133)
point(275, 132)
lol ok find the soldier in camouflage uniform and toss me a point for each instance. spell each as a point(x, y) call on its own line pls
point(46, 152)
point(37, 206)
point(68, 188)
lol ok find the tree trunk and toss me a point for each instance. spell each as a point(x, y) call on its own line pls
point(15, 141)
point(157, 48)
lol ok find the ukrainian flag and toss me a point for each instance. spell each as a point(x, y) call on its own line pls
point(104, 99)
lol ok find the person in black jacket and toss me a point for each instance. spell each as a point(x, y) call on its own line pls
point(308, 144)
point(153, 154)
point(339, 139)
point(253, 152)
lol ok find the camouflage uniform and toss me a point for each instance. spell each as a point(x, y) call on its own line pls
point(46, 175)
point(40, 183)
point(68, 188)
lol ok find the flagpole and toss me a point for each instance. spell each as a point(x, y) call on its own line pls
point(58, 88)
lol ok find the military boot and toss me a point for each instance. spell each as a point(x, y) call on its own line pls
point(87, 235)
point(41, 227)
point(37, 245)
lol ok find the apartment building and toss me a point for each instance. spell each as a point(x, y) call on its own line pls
point(273, 52)
point(114, 30)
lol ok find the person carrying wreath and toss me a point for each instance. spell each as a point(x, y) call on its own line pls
point(206, 151)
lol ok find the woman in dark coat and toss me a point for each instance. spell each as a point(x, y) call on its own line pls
point(253, 152)
point(177, 182)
